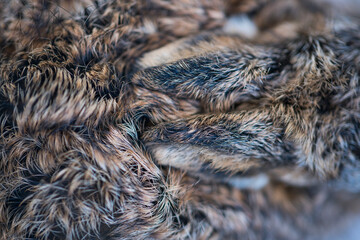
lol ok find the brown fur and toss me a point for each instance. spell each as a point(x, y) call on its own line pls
point(145, 120)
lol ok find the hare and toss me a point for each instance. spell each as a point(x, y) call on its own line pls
point(152, 120)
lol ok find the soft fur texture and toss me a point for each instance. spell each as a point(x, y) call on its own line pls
point(148, 119)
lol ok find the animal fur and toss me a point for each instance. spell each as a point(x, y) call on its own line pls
point(147, 120)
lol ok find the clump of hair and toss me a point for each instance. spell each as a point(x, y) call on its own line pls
point(149, 120)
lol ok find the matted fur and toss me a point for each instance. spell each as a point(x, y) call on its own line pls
point(146, 120)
